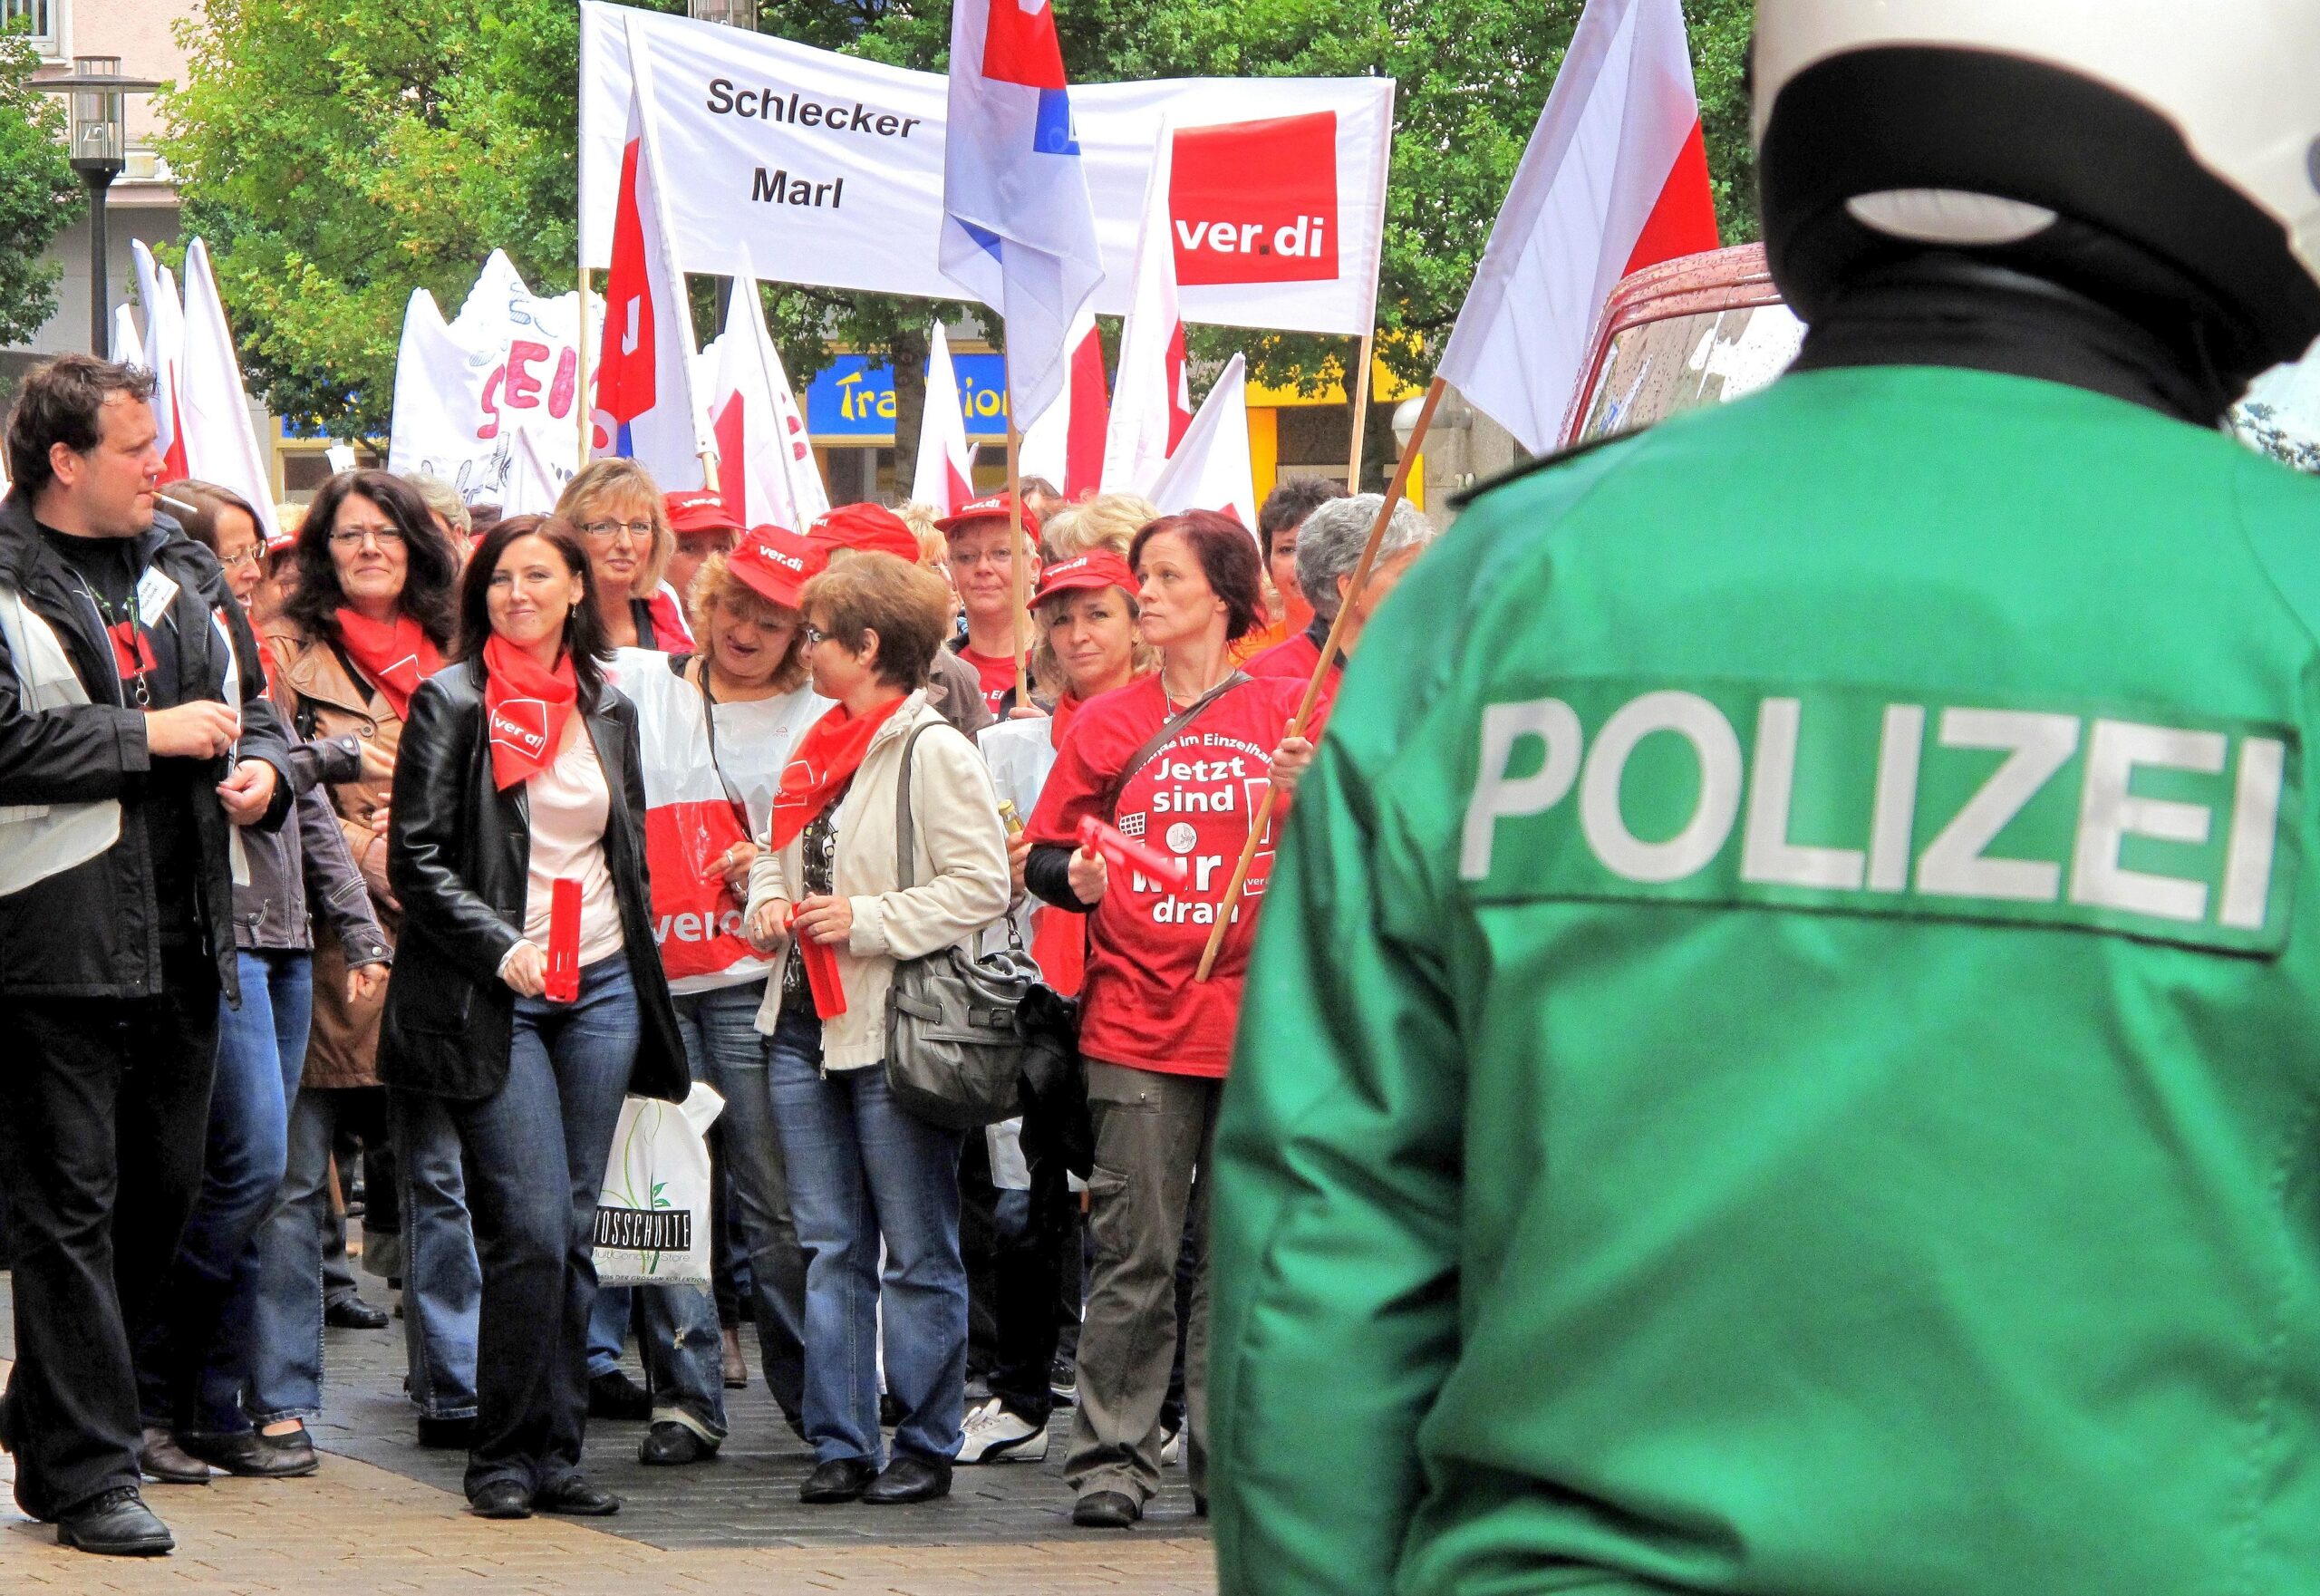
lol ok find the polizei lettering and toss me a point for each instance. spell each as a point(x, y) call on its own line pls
point(779, 188)
point(645, 1230)
point(1839, 798)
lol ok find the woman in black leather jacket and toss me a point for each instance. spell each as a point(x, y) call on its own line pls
point(517, 783)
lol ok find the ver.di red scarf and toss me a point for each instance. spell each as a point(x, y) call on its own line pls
point(527, 709)
point(394, 658)
point(827, 756)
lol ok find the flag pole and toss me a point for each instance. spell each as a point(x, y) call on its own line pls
point(1263, 821)
point(583, 402)
point(1360, 416)
point(1015, 556)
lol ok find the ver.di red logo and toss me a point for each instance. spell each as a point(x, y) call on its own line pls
point(1256, 201)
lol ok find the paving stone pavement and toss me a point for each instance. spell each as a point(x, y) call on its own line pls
point(385, 1514)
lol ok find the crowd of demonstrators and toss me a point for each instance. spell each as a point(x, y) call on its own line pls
point(1180, 759)
point(623, 521)
point(864, 1172)
point(533, 1084)
point(1279, 521)
point(1329, 546)
point(439, 695)
point(984, 553)
point(231, 1371)
point(135, 741)
point(371, 618)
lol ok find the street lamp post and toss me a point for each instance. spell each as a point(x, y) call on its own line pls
point(99, 150)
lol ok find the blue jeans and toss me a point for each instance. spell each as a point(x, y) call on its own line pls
point(680, 1344)
point(191, 1372)
point(442, 1285)
point(287, 1350)
point(862, 1170)
point(726, 1051)
point(535, 1154)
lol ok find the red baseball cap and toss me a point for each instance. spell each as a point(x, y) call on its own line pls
point(1098, 567)
point(280, 543)
point(998, 505)
point(776, 563)
point(698, 511)
point(871, 527)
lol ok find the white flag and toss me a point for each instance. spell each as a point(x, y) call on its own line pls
point(221, 441)
point(164, 353)
point(1152, 404)
point(1614, 179)
point(533, 485)
point(945, 477)
point(127, 347)
point(765, 463)
point(1209, 469)
point(1066, 444)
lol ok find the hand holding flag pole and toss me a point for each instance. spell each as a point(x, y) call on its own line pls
point(1262, 820)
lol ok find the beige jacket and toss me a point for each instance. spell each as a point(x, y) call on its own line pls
point(961, 869)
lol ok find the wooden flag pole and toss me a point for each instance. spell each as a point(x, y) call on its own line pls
point(1258, 825)
point(583, 404)
point(1360, 416)
point(1015, 560)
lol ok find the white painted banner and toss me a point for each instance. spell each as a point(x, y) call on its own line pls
point(827, 169)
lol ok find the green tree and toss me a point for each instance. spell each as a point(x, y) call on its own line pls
point(40, 193)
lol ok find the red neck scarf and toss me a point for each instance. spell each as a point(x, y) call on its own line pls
point(393, 658)
point(527, 709)
point(826, 758)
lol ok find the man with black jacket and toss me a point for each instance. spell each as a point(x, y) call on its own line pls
point(132, 742)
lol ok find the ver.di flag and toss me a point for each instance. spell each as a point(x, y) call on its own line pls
point(1614, 179)
point(1209, 469)
point(1018, 231)
point(213, 410)
point(765, 463)
point(644, 376)
point(164, 353)
point(945, 475)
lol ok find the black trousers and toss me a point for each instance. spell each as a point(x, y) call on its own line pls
point(1027, 1285)
point(104, 1105)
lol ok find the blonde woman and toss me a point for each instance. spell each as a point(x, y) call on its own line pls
point(624, 526)
point(1108, 520)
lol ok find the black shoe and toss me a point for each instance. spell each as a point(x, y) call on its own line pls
point(296, 1444)
point(577, 1498)
point(613, 1395)
point(1106, 1509)
point(841, 1479)
point(502, 1499)
point(244, 1453)
point(890, 1409)
point(445, 1435)
point(1200, 1506)
point(162, 1458)
point(1063, 1378)
point(355, 1313)
point(910, 1478)
point(671, 1445)
point(115, 1523)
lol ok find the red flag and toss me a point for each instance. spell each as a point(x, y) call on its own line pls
point(1019, 44)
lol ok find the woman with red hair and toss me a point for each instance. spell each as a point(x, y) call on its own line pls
point(1179, 758)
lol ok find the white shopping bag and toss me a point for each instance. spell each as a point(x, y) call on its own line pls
point(653, 1215)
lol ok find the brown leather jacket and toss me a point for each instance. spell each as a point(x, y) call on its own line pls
point(322, 698)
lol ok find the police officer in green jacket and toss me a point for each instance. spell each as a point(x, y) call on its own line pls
point(1785, 1051)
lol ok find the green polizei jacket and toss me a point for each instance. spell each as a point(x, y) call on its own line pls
point(1783, 1047)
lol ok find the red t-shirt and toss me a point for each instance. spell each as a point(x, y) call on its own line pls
point(998, 677)
point(1294, 661)
point(1139, 1005)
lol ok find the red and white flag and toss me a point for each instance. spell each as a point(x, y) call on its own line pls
point(163, 352)
point(765, 464)
point(645, 375)
point(1209, 469)
point(1066, 444)
point(219, 439)
point(945, 478)
point(1153, 405)
point(1614, 179)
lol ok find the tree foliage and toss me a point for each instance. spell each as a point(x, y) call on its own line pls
point(339, 154)
point(40, 193)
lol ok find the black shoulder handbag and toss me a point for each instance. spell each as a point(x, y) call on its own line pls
point(954, 1054)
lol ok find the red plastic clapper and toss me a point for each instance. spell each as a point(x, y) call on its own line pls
point(564, 942)
point(821, 977)
point(1126, 853)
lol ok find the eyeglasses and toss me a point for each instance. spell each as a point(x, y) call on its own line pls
point(351, 537)
point(606, 531)
point(235, 562)
point(815, 636)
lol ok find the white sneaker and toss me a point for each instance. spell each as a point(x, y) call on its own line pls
point(1172, 1450)
point(993, 1435)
